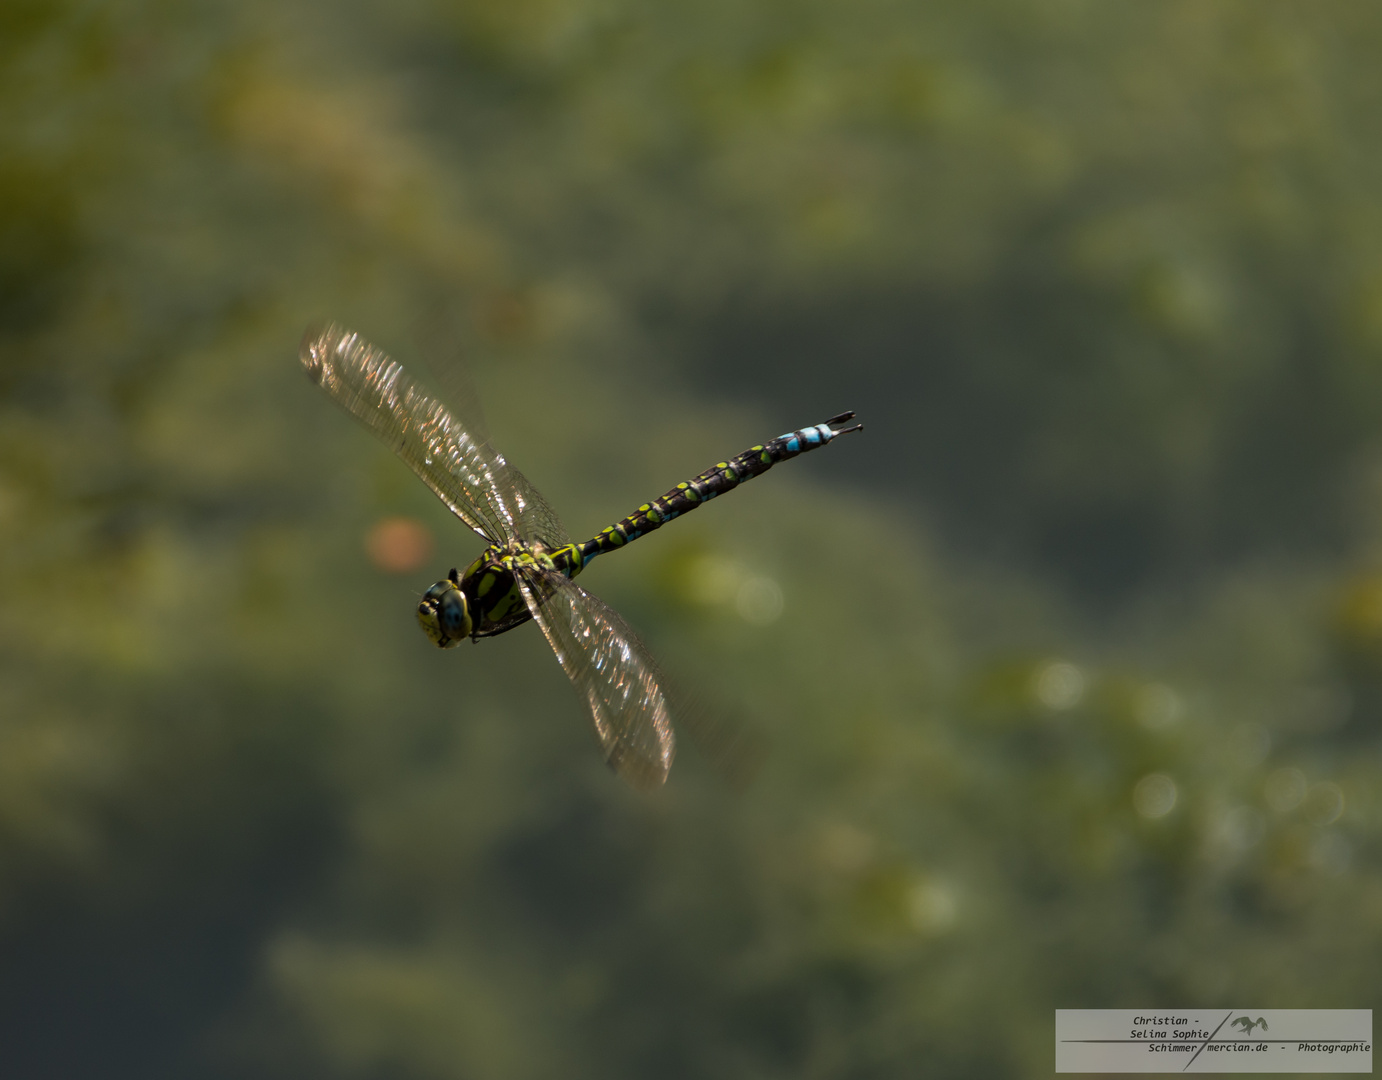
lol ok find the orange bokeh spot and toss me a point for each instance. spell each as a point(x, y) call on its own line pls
point(397, 545)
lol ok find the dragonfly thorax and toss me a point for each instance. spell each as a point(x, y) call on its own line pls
point(444, 613)
point(487, 598)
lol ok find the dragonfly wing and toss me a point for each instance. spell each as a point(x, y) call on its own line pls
point(611, 669)
point(464, 472)
point(534, 520)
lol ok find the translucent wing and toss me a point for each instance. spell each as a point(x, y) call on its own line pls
point(534, 521)
point(438, 340)
point(611, 669)
point(465, 472)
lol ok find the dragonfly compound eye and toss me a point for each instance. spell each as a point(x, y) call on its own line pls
point(444, 615)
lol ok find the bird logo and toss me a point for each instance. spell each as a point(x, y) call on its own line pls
point(1248, 1024)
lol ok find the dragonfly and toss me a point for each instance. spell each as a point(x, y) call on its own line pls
point(527, 570)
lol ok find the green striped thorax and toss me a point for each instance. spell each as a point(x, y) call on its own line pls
point(487, 599)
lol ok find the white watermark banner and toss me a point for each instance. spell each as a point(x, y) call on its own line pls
point(1214, 1040)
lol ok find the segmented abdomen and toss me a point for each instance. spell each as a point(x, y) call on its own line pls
point(725, 476)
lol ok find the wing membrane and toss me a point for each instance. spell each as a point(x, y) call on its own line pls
point(535, 520)
point(611, 670)
point(475, 482)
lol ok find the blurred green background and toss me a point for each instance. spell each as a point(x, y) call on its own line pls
point(1070, 664)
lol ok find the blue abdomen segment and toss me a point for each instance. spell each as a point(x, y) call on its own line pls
point(723, 476)
point(809, 438)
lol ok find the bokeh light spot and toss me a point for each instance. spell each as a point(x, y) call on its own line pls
point(720, 581)
point(932, 907)
point(1154, 796)
point(759, 600)
point(1060, 685)
point(398, 545)
point(1324, 803)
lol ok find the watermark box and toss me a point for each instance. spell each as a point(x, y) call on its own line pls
point(1214, 1040)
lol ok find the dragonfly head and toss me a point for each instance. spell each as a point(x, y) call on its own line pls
point(444, 614)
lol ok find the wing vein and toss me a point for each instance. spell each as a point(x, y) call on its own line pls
point(611, 669)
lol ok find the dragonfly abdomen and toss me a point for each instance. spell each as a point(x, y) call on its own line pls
point(722, 477)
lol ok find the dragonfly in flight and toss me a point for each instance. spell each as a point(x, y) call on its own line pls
point(528, 567)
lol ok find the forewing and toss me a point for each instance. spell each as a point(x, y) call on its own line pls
point(534, 520)
point(466, 474)
point(611, 670)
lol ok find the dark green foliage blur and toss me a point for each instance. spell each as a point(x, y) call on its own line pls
point(1068, 669)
